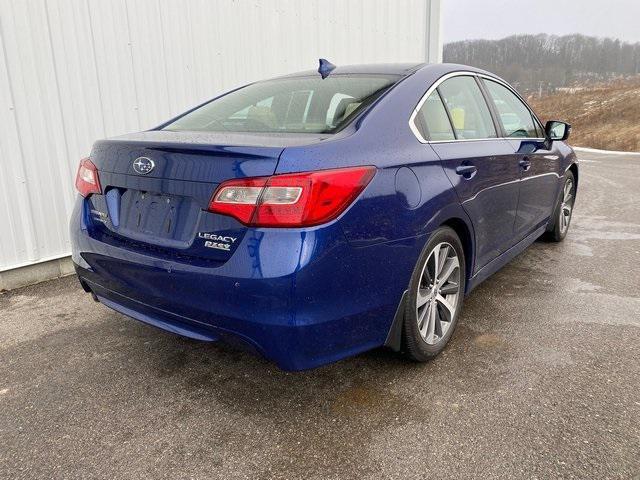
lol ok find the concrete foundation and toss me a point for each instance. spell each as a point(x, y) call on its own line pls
point(36, 273)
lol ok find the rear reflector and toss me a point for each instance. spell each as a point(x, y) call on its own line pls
point(291, 200)
point(87, 180)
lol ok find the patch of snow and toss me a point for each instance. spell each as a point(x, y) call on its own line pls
point(608, 152)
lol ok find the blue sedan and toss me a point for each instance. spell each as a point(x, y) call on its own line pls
point(325, 213)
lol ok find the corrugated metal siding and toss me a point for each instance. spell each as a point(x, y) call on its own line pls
point(72, 71)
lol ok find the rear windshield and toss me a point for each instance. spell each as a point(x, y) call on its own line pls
point(288, 105)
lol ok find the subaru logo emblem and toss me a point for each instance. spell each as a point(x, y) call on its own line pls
point(143, 165)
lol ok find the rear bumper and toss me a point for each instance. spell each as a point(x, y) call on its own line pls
point(299, 298)
point(173, 316)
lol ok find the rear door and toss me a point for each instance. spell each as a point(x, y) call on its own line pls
point(457, 122)
point(539, 166)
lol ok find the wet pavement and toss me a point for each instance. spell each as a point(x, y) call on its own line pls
point(540, 380)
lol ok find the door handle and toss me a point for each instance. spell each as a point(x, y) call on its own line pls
point(467, 171)
point(525, 163)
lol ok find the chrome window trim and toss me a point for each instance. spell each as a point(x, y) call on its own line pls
point(414, 114)
point(466, 73)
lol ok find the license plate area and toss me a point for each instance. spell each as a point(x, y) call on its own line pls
point(157, 218)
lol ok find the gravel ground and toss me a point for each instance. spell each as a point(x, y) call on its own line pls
point(541, 380)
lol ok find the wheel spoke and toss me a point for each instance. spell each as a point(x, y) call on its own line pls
point(442, 260)
point(449, 267)
point(447, 309)
point(449, 289)
point(438, 323)
point(432, 322)
point(426, 275)
point(425, 318)
point(423, 297)
point(567, 190)
point(436, 262)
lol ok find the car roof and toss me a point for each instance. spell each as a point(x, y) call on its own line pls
point(402, 69)
point(370, 68)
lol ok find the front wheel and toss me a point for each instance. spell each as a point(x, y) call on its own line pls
point(435, 296)
point(563, 211)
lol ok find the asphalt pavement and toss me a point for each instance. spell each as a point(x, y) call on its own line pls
point(541, 379)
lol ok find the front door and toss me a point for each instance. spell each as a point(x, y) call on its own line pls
point(539, 166)
point(539, 185)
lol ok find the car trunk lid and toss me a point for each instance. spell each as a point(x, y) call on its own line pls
point(162, 207)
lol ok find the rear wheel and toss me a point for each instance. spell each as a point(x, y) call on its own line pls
point(563, 211)
point(435, 296)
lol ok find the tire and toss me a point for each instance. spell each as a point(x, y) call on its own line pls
point(563, 212)
point(423, 341)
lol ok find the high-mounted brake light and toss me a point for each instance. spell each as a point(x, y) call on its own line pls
point(87, 180)
point(291, 200)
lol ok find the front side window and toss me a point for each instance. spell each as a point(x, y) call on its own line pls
point(433, 120)
point(288, 105)
point(467, 108)
point(515, 117)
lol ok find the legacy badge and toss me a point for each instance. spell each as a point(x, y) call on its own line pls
point(219, 242)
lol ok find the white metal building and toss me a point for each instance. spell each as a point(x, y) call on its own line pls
point(73, 71)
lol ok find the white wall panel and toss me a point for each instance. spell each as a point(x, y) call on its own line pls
point(73, 71)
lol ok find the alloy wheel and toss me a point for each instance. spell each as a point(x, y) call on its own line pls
point(438, 293)
point(566, 207)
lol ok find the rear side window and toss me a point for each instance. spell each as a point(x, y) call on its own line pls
point(515, 117)
point(288, 105)
point(434, 121)
point(467, 108)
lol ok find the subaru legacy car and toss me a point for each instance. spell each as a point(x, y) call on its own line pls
point(321, 214)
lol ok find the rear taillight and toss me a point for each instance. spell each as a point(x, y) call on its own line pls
point(291, 200)
point(87, 180)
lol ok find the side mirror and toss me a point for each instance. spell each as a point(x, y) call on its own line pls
point(556, 130)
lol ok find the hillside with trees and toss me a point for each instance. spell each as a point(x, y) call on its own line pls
point(534, 63)
point(605, 116)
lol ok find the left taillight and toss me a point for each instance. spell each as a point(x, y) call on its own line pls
point(87, 179)
point(291, 200)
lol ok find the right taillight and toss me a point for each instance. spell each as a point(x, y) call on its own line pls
point(291, 200)
point(87, 180)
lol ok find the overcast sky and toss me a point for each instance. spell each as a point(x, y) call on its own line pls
point(469, 19)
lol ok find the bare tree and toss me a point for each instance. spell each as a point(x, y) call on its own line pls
point(546, 62)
